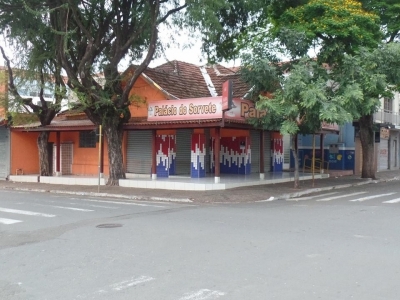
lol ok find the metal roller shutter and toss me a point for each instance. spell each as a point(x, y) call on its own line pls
point(383, 158)
point(267, 152)
point(183, 151)
point(255, 151)
point(208, 154)
point(138, 159)
point(286, 152)
point(4, 153)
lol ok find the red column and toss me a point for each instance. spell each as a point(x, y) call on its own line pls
point(262, 143)
point(153, 156)
point(217, 148)
point(58, 153)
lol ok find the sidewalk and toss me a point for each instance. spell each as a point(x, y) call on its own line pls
point(238, 195)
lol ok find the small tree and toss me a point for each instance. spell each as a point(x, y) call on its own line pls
point(303, 102)
point(45, 111)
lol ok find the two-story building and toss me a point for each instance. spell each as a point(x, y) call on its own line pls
point(387, 135)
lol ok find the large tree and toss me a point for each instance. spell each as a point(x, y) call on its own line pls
point(41, 68)
point(361, 80)
point(92, 37)
point(343, 31)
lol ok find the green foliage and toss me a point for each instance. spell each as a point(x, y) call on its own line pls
point(389, 14)
point(362, 79)
point(336, 26)
point(304, 101)
point(224, 23)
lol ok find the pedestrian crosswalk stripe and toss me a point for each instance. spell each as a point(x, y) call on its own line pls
point(71, 208)
point(203, 294)
point(125, 203)
point(9, 221)
point(341, 196)
point(392, 201)
point(25, 212)
point(371, 197)
point(98, 206)
point(311, 197)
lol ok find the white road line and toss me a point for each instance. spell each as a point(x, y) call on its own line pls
point(311, 197)
point(203, 295)
point(129, 283)
point(25, 212)
point(9, 221)
point(123, 203)
point(392, 201)
point(371, 197)
point(98, 206)
point(341, 196)
point(71, 208)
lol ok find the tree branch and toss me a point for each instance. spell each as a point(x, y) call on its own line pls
point(172, 11)
point(151, 50)
point(11, 86)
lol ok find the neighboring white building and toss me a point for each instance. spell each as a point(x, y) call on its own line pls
point(388, 117)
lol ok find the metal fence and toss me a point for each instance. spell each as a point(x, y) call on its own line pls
point(387, 116)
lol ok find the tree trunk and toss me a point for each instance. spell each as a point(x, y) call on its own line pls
point(114, 134)
point(43, 147)
point(296, 161)
point(367, 144)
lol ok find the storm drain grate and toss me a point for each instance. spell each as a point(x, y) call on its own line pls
point(112, 225)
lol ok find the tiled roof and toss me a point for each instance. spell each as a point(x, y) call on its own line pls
point(220, 74)
point(184, 80)
point(58, 123)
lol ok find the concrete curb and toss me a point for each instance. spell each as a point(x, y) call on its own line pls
point(328, 188)
point(103, 195)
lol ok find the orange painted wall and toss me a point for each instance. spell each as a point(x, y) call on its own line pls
point(25, 156)
point(144, 92)
point(3, 93)
point(85, 160)
point(24, 152)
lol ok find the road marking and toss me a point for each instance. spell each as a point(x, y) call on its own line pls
point(371, 197)
point(98, 206)
point(392, 201)
point(25, 212)
point(71, 208)
point(360, 236)
point(341, 196)
point(123, 203)
point(129, 283)
point(311, 197)
point(203, 295)
point(9, 221)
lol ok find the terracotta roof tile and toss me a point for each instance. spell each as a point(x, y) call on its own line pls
point(184, 80)
point(219, 74)
point(58, 122)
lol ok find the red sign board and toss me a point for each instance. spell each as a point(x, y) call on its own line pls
point(227, 94)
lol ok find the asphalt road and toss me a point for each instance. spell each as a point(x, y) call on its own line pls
point(342, 244)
